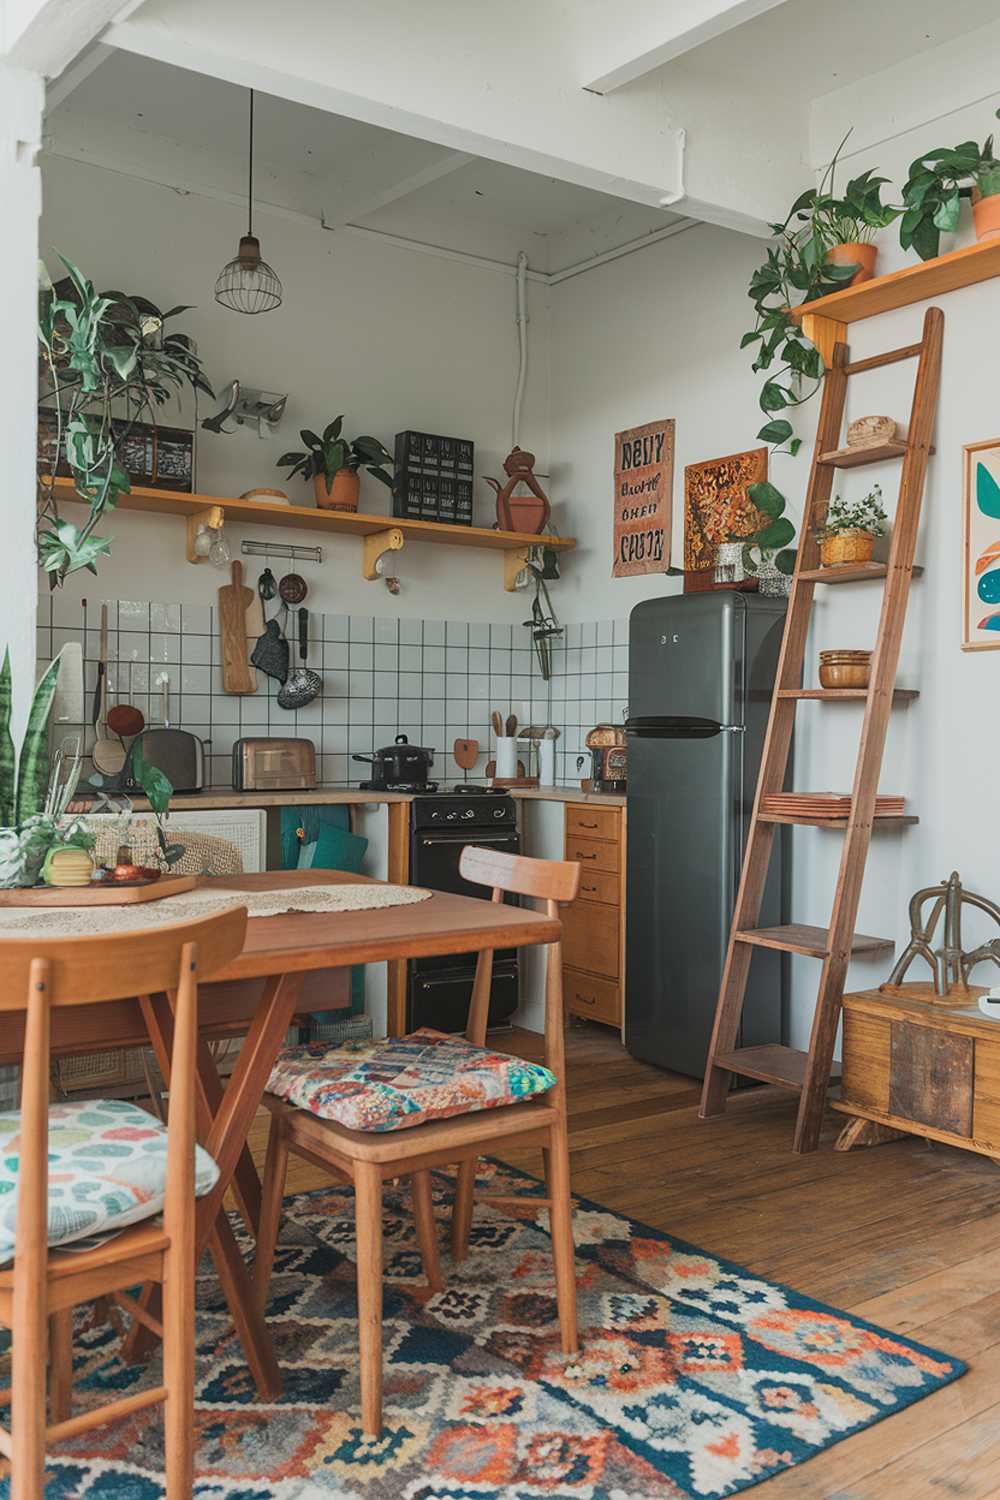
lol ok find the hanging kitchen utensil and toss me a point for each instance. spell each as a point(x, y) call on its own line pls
point(303, 684)
point(466, 753)
point(293, 588)
point(102, 667)
point(271, 652)
point(108, 755)
point(267, 585)
point(238, 676)
point(125, 720)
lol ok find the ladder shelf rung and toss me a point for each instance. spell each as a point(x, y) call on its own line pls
point(831, 695)
point(785, 1066)
point(851, 572)
point(881, 820)
point(854, 458)
point(814, 942)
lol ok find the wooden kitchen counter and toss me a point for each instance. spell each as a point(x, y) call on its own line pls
point(221, 797)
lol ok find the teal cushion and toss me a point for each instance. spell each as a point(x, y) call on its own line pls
point(338, 849)
point(107, 1169)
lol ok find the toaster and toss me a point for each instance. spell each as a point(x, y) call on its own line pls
point(273, 765)
point(175, 752)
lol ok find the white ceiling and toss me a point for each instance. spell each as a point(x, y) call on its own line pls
point(190, 130)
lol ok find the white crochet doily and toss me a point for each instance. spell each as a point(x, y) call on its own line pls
point(190, 906)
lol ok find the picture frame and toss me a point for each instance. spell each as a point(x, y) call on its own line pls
point(981, 546)
point(717, 506)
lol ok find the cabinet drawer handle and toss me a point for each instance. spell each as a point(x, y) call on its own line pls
point(586, 856)
point(586, 999)
point(588, 887)
point(588, 825)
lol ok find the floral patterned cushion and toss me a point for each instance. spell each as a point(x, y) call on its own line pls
point(394, 1084)
point(107, 1169)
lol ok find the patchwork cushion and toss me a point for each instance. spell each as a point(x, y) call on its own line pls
point(107, 1169)
point(394, 1084)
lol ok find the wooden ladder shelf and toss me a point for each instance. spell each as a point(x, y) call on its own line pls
point(808, 1073)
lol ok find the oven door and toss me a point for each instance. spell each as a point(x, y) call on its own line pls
point(434, 859)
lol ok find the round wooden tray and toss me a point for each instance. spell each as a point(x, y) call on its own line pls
point(108, 893)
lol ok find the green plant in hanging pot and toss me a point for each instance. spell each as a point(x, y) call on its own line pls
point(933, 193)
point(823, 245)
point(332, 463)
point(767, 554)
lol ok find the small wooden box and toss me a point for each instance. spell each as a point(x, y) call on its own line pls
point(925, 1069)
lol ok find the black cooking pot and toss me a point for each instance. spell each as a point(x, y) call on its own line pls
point(400, 762)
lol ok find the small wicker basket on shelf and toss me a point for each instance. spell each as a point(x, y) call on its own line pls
point(852, 546)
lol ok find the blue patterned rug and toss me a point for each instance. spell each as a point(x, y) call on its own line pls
point(695, 1378)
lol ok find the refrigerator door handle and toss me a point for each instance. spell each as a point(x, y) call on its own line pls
point(732, 728)
point(673, 727)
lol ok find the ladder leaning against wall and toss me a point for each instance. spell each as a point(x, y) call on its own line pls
point(808, 1073)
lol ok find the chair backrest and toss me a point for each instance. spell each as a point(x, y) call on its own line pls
point(37, 974)
point(554, 881)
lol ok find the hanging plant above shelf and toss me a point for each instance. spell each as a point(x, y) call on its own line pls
point(824, 244)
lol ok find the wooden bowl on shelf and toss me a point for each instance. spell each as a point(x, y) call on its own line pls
point(844, 669)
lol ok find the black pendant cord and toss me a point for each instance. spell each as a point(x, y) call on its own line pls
point(250, 184)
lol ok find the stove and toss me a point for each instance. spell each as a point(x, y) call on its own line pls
point(410, 788)
point(442, 822)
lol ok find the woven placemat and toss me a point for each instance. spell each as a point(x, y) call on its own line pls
point(81, 921)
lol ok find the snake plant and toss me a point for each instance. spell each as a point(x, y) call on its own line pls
point(24, 778)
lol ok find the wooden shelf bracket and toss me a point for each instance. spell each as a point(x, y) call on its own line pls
point(514, 563)
point(374, 548)
point(213, 516)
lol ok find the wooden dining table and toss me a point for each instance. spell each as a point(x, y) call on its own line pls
point(278, 975)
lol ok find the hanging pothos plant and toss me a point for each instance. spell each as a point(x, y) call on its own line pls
point(797, 272)
point(105, 364)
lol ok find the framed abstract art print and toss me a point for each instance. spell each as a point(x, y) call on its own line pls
point(981, 548)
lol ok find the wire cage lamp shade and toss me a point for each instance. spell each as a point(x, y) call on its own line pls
point(247, 284)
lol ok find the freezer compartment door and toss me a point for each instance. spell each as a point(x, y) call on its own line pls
point(686, 657)
point(688, 806)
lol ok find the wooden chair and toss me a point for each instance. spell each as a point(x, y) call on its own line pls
point(368, 1158)
point(39, 1291)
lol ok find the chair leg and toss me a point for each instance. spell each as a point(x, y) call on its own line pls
point(178, 1369)
point(561, 1222)
point(368, 1232)
point(461, 1213)
point(272, 1196)
point(28, 1389)
point(61, 1365)
point(423, 1213)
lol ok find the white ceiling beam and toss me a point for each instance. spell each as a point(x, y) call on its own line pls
point(361, 208)
point(655, 34)
point(78, 72)
point(44, 36)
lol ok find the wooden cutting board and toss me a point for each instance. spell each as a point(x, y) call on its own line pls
point(238, 676)
point(98, 895)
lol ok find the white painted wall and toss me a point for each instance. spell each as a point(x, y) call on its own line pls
point(657, 335)
point(20, 131)
point(394, 339)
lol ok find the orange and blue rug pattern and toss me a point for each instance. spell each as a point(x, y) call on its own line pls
point(695, 1378)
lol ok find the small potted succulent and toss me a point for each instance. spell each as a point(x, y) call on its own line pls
point(332, 463)
point(932, 196)
point(849, 532)
point(774, 562)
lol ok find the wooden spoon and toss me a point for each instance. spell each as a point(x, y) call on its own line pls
point(497, 723)
point(511, 725)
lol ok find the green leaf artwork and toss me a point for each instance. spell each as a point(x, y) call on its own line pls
point(987, 492)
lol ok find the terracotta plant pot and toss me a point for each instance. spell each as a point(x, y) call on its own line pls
point(343, 491)
point(527, 513)
point(862, 256)
point(852, 546)
point(986, 215)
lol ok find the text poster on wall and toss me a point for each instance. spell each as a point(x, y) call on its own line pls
point(644, 482)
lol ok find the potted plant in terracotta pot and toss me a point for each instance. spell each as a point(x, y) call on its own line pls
point(848, 224)
point(333, 461)
point(849, 532)
point(932, 196)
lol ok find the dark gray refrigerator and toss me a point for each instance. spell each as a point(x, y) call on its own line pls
point(701, 674)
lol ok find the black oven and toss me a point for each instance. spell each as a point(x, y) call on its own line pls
point(439, 989)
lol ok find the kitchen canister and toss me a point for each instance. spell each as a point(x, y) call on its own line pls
point(547, 761)
point(506, 756)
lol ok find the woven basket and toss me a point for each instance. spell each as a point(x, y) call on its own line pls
point(204, 854)
point(852, 546)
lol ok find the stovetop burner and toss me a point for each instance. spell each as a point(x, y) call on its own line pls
point(413, 788)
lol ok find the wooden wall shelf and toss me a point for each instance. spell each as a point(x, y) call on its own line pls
point(513, 544)
point(929, 278)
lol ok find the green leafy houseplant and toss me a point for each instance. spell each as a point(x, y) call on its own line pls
point(867, 515)
point(325, 456)
point(933, 193)
point(797, 272)
point(105, 364)
point(772, 539)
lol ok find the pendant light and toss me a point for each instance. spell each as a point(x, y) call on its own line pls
point(248, 284)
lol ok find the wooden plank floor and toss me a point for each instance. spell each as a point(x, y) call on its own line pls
point(906, 1235)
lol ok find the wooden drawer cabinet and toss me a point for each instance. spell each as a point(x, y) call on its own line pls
point(593, 927)
point(592, 854)
point(588, 995)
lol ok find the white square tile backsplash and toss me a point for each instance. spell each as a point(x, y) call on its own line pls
point(433, 680)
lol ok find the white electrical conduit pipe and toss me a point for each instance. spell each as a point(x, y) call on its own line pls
point(522, 344)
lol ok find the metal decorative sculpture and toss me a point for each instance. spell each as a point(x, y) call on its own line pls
point(949, 964)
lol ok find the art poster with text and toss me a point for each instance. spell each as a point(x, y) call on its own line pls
point(644, 481)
